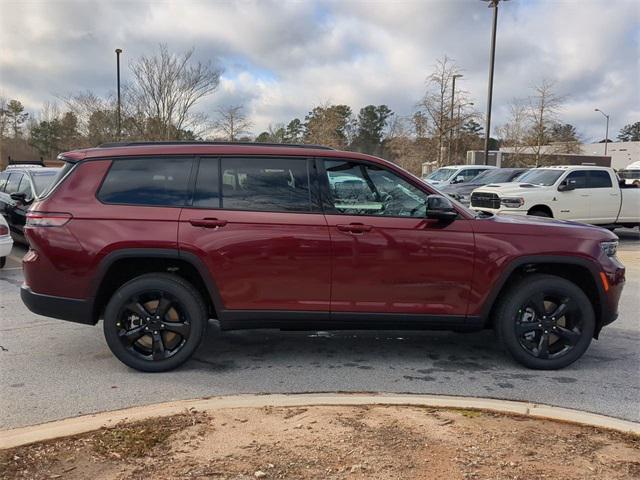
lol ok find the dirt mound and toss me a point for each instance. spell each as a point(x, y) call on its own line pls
point(377, 442)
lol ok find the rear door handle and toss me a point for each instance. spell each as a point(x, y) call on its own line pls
point(354, 228)
point(207, 222)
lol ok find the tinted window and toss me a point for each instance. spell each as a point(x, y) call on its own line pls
point(3, 180)
point(577, 178)
point(265, 184)
point(207, 184)
point(359, 189)
point(147, 181)
point(599, 179)
point(13, 183)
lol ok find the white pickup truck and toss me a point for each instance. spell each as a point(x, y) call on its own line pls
point(582, 193)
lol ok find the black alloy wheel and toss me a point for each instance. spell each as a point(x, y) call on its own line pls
point(155, 322)
point(545, 322)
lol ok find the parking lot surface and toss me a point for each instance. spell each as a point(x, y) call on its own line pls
point(51, 369)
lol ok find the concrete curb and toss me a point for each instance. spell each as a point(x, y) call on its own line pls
point(86, 423)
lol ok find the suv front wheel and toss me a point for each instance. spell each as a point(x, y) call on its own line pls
point(155, 322)
point(545, 322)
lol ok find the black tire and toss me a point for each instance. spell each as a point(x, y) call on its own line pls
point(155, 343)
point(539, 213)
point(3, 261)
point(522, 322)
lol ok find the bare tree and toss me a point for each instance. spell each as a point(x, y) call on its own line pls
point(436, 102)
point(231, 122)
point(543, 108)
point(167, 86)
point(514, 132)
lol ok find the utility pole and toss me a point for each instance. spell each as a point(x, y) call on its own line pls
point(492, 4)
point(453, 95)
point(118, 52)
point(606, 135)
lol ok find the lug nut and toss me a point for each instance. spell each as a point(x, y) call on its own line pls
point(157, 318)
point(162, 325)
point(155, 332)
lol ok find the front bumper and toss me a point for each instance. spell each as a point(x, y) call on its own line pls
point(70, 309)
point(6, 243)
point(500, 211)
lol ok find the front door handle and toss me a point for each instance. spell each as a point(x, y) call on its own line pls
point(354, 228)
point(207, 222)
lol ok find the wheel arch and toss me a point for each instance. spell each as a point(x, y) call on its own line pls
point(583, 272)
point(119, 266)
point(541, 207)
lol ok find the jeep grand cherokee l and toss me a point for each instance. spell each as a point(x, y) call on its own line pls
point(156, 239)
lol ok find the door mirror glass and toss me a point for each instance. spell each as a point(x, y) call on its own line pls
point(440, 208)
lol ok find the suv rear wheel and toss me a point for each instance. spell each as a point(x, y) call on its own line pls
point(155, 322)
point(545, 322)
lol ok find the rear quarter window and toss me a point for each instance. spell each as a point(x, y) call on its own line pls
point(154, 181)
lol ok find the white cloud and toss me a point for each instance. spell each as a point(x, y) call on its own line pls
point(283, 58)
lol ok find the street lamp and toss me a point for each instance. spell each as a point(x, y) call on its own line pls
point(118, 52)
point(492, 4)
point(453, 95)
point(606, 135)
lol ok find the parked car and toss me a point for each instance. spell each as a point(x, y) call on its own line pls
point(454, 174)
point(155, 239)
point(583, 193)
point(5, 242)
point(462, 191)
point(20, 186)
point(631, 174)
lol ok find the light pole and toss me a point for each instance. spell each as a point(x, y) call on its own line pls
point(118, 52)
point(606, 135)
point(453, 95)
point(492, 4)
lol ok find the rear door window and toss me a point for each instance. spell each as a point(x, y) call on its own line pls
point(265, 184)
point(599, 179)
point(159, 181)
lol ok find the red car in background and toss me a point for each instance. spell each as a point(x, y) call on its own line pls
point(156, 239)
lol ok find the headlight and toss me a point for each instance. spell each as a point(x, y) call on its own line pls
point(610, 247)
point(512, 202)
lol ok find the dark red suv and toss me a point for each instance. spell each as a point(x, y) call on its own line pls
point(156, 239)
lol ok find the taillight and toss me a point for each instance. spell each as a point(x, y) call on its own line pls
point(46, 219)
point(3, 230)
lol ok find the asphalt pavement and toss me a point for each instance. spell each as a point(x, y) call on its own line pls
point(51, 369)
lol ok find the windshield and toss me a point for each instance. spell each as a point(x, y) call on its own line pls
point(442, 174)
point(42, 181)
point(493, 176)
point(541, 176)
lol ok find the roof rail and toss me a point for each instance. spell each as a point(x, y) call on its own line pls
point(190, 142)
point(25, 162)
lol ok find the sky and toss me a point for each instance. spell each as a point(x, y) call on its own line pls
point(283, 58)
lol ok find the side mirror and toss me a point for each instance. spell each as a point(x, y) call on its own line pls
point(19, 197)
point(567, 185)
point(440, 208)
point(458, 179)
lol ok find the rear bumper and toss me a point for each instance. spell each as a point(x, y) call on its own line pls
point(70, 309)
